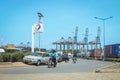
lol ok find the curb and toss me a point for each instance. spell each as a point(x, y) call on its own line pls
point(108, 69)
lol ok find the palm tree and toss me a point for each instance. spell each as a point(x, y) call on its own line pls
point(28, 46)
point(20, 46)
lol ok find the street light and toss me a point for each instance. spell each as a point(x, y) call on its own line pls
point(40, 17)
point(103, 19)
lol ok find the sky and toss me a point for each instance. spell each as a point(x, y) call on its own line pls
point(60, 20)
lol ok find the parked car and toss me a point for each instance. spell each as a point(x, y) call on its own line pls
point(59, 57)
point(36, 58)
point(65, 57)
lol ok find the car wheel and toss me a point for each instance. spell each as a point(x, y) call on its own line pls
point(38, 62)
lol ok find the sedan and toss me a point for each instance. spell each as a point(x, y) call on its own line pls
point(36, 58)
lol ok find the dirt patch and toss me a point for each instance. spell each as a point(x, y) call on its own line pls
point(116, 66)
point(10, 64)
point(5, 63)
point(110, 69)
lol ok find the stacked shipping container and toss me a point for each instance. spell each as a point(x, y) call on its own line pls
point(112, 50)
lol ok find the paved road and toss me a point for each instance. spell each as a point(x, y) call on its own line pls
point(80, 66)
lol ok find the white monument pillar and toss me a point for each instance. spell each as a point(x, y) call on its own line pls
point(33, 38)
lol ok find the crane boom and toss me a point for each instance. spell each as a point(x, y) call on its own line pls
point(76, 34)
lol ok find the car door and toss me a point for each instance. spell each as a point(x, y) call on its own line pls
point(46, 58)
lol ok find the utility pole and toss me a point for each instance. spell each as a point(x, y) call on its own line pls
point(103, 19)
point(40, 21)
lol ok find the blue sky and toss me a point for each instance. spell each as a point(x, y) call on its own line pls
point(60, 19)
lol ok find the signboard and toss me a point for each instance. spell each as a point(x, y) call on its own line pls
point(38, 28)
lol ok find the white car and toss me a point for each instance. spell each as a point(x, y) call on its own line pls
point(36, 58)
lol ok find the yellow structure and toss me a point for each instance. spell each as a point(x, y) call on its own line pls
point(11, 47)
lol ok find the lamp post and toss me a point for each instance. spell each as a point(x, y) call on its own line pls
point(103, 19)
point(40, 21)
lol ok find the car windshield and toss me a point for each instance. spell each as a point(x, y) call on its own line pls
point(36, 54)
point(46, 55)
point(64, 55)
point(59, 54)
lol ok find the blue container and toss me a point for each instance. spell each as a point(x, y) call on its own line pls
point(115, 50)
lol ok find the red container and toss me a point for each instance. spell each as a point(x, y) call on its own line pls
point(97, 53)
point(92, 53)
point(108, 50)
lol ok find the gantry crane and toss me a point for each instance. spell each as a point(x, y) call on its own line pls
point(76, 36)
point(86, 38)
point(98, 37)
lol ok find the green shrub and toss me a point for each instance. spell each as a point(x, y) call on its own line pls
point(5, 57)
point(20, 57)
point(12, 57)
point(16, 57)
point(27, 53)
point(113, 59)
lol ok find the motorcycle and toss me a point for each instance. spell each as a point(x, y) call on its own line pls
point(74, 59)
point(52, 62)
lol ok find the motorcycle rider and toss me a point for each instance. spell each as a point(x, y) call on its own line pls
point(74, 58)
point(53, 56)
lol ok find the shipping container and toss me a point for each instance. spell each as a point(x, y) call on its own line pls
point(116, 50)
point(96, 53)
point(107, 50)
point(112, 50)
point(92, 53)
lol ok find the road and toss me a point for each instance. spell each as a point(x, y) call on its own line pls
point(82, 65)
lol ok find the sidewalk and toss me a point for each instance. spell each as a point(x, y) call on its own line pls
point(61, 76)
